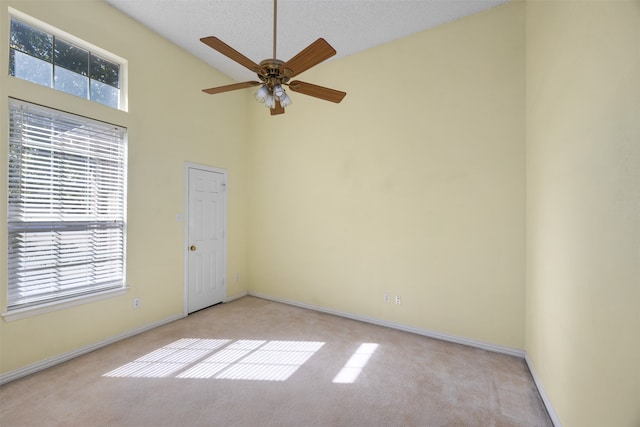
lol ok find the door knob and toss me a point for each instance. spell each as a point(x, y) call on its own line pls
point(192, 248)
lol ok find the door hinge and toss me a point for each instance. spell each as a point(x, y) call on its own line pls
point(224, 186)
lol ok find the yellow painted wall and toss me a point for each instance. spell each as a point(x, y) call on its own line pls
point(583, 208)
point(413, 185)
point(170, 121)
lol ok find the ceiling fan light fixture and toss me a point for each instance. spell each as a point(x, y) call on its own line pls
point(270, 101)
point(274, 74)
point(285, 101)
point(262, 93)
point(278, 91)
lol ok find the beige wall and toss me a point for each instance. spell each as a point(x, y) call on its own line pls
point(583, 208)
point(169, 122)
point(413, 185)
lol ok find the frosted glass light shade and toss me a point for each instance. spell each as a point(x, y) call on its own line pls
point(262, 93)
point(285, 101)
point(278, 91)
point(270, 101)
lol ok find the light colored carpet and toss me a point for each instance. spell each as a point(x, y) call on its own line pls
point(254, 362)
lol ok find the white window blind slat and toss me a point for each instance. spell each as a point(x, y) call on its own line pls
point(66, 205)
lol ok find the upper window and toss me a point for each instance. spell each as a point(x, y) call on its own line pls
point(66, 206)
point(66, 65)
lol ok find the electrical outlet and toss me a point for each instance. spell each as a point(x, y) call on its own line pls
point(136, 303)
point(237, 276)
point(397, 299)
point(387, 298)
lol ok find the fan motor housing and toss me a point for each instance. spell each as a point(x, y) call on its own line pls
point(271, 71)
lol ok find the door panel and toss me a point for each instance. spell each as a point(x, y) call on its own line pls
point(206, 239)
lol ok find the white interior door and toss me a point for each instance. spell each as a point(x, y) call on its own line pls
point(206, 242)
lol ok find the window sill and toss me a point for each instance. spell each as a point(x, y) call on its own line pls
point(22, 313)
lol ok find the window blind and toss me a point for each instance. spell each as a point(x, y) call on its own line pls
point(66, 205)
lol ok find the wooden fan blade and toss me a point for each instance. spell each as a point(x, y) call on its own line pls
point(312, 55)
point(217, 44)
point(228, 88)
point(317, 91)
point(278, 109)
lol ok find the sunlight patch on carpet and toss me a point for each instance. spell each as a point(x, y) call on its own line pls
point(351, 370)
point(195, 358)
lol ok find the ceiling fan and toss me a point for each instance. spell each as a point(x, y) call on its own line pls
point(274, 74)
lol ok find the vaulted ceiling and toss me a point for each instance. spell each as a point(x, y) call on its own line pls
point(350, 26)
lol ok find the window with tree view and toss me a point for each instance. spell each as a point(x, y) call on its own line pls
point(46, 59)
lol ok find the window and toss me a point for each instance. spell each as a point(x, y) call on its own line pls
point(66, 206)
point(69, 66)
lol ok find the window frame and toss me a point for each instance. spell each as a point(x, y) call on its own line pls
point(76, 41)
point(34, 308)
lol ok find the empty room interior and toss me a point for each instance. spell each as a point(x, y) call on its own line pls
point(479, 184)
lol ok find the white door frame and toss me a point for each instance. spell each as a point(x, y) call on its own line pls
point(187, 167)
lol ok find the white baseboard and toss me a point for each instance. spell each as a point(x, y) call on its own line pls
point(431, 334)
point(235, 297)
point(47, 363)
point(424, 332)
point(543, 395)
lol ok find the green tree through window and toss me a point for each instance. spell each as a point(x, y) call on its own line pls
point(51, 61)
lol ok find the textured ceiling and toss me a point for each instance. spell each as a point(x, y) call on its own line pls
point(350, 26)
